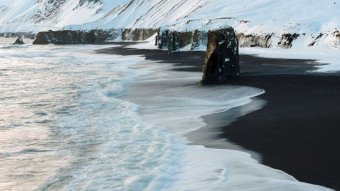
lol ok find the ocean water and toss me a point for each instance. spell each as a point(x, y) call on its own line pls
point(71, 119)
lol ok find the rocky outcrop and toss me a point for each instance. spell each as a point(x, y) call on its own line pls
point(19, 41)
point(337, 37)
point(316, 40)
point(93, 36)
point(177, 40)
point(137, 34)
point(250, 40)
point(72, 37)
point(162, 39)
point(200, 38)
point(287, 40)
point(221, 57)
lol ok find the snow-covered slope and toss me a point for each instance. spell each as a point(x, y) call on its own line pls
point(308, 18)
point(38, 15)
point(316, 22)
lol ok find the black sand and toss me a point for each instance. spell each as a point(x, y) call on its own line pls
point(298, 131)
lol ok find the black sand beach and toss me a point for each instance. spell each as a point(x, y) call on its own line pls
point(298, 131)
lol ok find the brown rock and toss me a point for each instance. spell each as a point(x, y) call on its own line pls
point(222, 57)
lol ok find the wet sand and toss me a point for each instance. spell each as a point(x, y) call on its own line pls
point(298, 130)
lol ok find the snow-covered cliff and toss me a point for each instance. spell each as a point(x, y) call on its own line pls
point(268, 23)
point(306, 22)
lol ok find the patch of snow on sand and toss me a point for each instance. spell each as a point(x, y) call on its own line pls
point(329, 58)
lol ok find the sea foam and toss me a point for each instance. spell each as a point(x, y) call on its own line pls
point(75, 120)
point(176, 102)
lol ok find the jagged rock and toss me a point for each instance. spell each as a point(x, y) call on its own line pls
point(221, 57)
point(199, 38)
point(174, 40)
point(185, 39)
point(162, 39)
point(316, 40)
point(137, 34)
point(287, 40)
point(337, 36)
point(71, 37)
point(178, 40)
point(250, 40)
point(19, 41)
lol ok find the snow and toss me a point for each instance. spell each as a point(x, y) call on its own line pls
point(36, 16)
point(148, 44)
point(328, 58)
point(309, 18)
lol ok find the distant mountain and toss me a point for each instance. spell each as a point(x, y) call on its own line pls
point(306, 22)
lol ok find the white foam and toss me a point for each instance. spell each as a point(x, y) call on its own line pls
point(174, 101)
point(102, 141)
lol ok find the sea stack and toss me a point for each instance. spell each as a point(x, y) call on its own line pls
point(222, 57)
point(19, 41)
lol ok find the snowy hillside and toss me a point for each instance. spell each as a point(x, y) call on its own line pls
point(38, 15)
point(308, 18)
point(308, 22)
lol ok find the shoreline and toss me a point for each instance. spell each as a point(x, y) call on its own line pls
point(298, 130)
point(265, 73)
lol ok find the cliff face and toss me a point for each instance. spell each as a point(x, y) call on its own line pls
point(92, 36)
point(222, 57)
point(72, 37)
point(272, 23)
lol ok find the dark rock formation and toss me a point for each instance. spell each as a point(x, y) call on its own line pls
point(175, 40)
point(71, 37)
point(287, 40)
point(255, 40)
point(19, 41)
point(337, 36)
point(316, 40)
point(162, 39)
point(199, 38)
point(221, 57)
point(185, 39)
